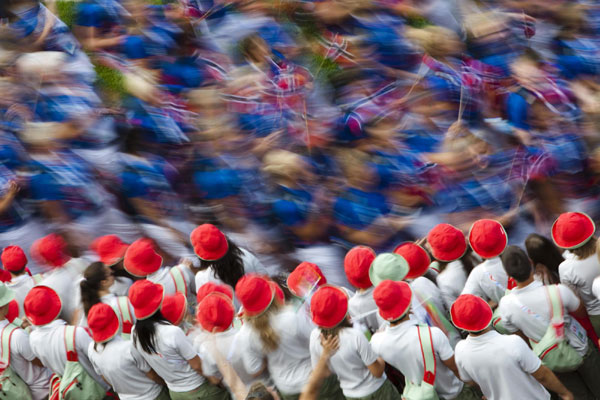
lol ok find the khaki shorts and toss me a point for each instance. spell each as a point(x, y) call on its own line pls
point(387, 391)
point(206, 391)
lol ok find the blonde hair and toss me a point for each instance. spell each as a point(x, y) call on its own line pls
point(262, 325)
point(587, 250)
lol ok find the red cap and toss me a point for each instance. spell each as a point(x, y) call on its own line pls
point(13, 311)
point(255, 293)
point(13, 258)
point(42, 305)
point(110, 249)
point(447, 243)
point(145, 298)
point(103, 322)
point(215, 312)
point(210, 287)
point(329, 306)
point(141, 259)
point(173, 307)
point(50, 250)
point(279, 295)
point(356, 264)
point(306, 276)
point(471, 313)
point(393, 299)
point(417, 258)
point(488, 238)
point(572, 230)
point(209, 242)
point(5, 276)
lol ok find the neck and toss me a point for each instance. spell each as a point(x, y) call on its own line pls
point(103, 292)
point(486, 330)
point(521, 285)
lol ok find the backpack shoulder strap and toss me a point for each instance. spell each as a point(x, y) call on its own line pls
point(123, 305)
point(178, 280)
point(556, 305)
point(6, 334)
point(427, 351)
point(70, 332)
point(37, 278)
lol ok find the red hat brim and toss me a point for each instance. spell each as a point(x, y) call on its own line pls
point(51, 313)
point(150, 307)
point(588, 230)
point(495, 251)
point(215, 255)
point(114, 256)
point(396, 312)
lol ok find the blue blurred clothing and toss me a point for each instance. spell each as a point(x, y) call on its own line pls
point(358, 209)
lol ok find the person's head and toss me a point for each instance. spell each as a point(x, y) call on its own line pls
point(216, 251)
point(446, 243)
point(356, 265)
point(487, 238)
point(258, 391)
point(254, 49)
point(146, 298)
point(516, 264)
point(14, 260)
point(257, 296)
point(393, 299)
point(305, 277)
point(51, 250)
point(471, 314)
point(417, 258)
point(42, 305)
point(97, 279)
point(574, 231)
point(541, 250)
point(329, 310)
point(141, 258)
point(388, 266)
point(174, 308)
point(215, 312)
point(103, 323)
point(526, 69)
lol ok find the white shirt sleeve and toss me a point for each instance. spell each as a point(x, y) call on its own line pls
point(441, 344)
point(182, 344)
point(364, 349)
point(505, 315)
point(569, 299)
point(472, 286)
point(139, 360)
point(464, 375)
point(526, 358)
point(252, 356)
point(19, 343)
point(315, 347)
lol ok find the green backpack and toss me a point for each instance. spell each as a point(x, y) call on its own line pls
point(11, 384)
point(76, 383)
point(425, 389)
point(554, 351)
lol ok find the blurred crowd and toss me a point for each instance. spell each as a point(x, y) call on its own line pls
point(301, 128)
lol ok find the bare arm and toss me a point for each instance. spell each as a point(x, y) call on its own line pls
point(377, 368)
point(547, 378)
point(154, 376)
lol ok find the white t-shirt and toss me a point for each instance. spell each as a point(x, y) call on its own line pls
point(230, 345)
point(579, 275)
point(501, 365)
point(528, 310)
point(112, 301)
point(488, 280)
point(174, 350)
point(425, 291)
point(21, 285)
point(124, 368)
point(350, 362)
point(289, 365)
point(251, 265)
point(451, 282)
point(399, 346)
point(121, 286)
point(363, 310)
point(48, 344)
point(65, 282)
point(596, 287)
point(21, 355)
point(164, 277)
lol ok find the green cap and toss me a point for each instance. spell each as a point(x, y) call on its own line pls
point(388, 266)
point(6, 294)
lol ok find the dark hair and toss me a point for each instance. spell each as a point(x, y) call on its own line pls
point(258, 390)
point(467, 261)
point(541, 250)
point(93, 275)
point(516, 263)
point(336, 329)
point(585, 251)
point(144, 331)
point(230, 267)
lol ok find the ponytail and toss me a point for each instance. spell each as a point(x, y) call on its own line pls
point(262, 325)
point(93, 275)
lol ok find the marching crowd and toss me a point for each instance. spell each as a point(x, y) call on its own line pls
point(361, 199)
